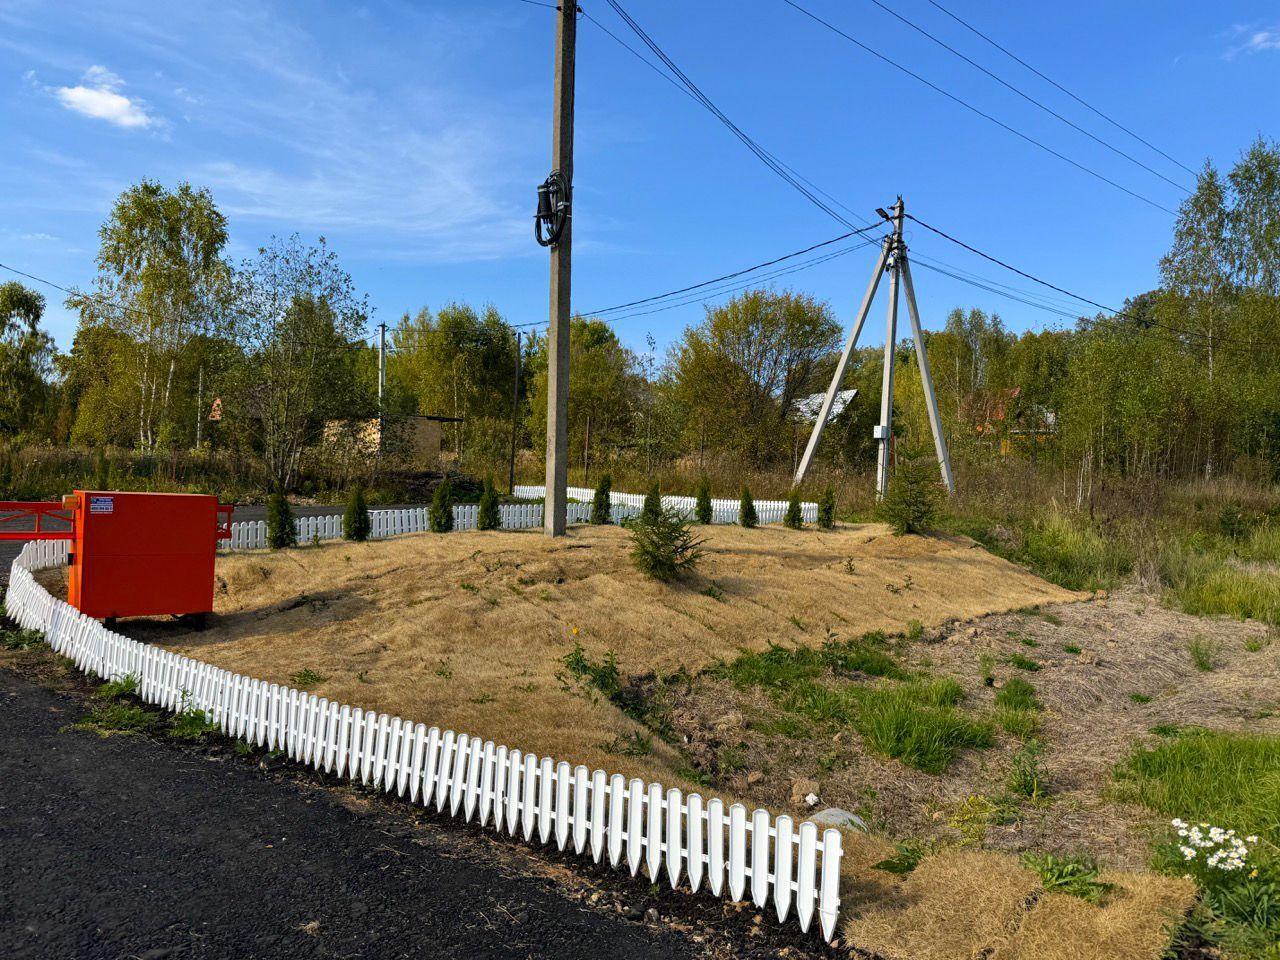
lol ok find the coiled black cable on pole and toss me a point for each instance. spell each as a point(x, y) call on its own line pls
point(553, 209)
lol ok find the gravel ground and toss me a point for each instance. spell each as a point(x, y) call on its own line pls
point(123, 847)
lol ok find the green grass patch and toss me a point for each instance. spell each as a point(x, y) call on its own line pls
point(307, 678)
point(1022, 663)
point(1026, 779)
point(916, 724)
point(1075, 876)
point(1231, 780)
point(111, 717)
point(1204, 654)
point(1071, 648)
point(1017, 694)
point(1140, 698)
point(115, 689)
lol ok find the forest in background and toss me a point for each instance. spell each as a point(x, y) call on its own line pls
point(1108, 446)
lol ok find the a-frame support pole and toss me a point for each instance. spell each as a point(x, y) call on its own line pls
point(926, 377)
point(838, 377)
point(884, 430)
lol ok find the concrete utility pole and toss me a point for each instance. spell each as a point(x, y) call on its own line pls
point(884, 430)
point(199, 406)
point(382, 367)
point(556, 504)
point(893, 258)
point(515, 408)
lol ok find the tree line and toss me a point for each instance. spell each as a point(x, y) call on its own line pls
point(1183, 382)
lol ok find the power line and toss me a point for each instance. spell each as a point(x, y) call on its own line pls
point(1084, 103)
point(1026, 96)
point(1121, 314)
point(969, 106)
point(203, 327)
point(764, 156)
point(730, 276)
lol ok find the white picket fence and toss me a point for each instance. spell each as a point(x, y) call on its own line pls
point(252, 534)
point(722, 511)
point(695, 841)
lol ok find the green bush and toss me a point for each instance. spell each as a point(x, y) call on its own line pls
point(663, 546)
point(793, 518)
point(355, 522)
point(1075, 876)
point(602, 501)
point(281, 530)
point(747, 510)
point(440, 513)
point(910, 504)
point(488, 517)
point(652, 508)
point(702, 510)
point(827, 509)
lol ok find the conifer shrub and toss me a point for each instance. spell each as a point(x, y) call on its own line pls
point(440, 513)
point(356, 524)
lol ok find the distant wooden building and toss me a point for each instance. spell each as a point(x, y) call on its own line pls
point(417, 439)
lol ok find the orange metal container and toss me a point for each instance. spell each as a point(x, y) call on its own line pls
point(143, 554)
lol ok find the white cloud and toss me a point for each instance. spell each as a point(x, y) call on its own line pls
point(1253, 40)
point(98, 95)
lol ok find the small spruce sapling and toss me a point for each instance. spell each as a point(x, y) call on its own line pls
point(602, 501)
point(488, 517)
point(747, 510)
point(355, 522)
point(440, 514)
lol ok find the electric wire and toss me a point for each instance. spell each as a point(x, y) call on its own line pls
point(763, 155)
point(969, 106)
point(1026, 96)
point(1080, 100)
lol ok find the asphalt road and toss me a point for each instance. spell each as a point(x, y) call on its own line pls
point(128, 848)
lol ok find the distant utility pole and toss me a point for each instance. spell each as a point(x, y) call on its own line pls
point(893, 260)
point(199, 406)
point(382, 375)
point(515, 408)
point(554, 200)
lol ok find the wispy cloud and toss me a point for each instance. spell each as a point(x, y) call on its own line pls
point(1247, 40)
point(98, 95)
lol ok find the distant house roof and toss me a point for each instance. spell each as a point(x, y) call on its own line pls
point(808, 408)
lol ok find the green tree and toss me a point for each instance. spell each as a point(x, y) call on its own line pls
point(161, 282)
point(747, 510)
point(702, 508)
point(356, 524)
point(738, 374)
point(299, 323)
point(602, 502)
point(440, 513)
point(26, 355)
point(663, 546)
point(488, 516)
point(281, 530)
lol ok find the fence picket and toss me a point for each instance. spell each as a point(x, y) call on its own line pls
point(523, 793)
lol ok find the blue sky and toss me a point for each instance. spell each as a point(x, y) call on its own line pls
point(412, 134)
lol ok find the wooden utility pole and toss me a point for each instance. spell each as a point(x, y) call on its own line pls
point(556, 505)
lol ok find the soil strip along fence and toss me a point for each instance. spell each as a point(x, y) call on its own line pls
point(695, 841)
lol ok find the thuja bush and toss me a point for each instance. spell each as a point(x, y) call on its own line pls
point(747, 510)
point(356, 524)
point(601, 501)
point(488, 516)
point(281, 531)
point(652, 508)
point(794, 517)
point(702, 509)
point(440, 513)
point(827, 509)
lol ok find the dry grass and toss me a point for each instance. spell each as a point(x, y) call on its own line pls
point(467, 630)
point(964, 904)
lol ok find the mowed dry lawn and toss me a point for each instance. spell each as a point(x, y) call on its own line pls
point(469, 630)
